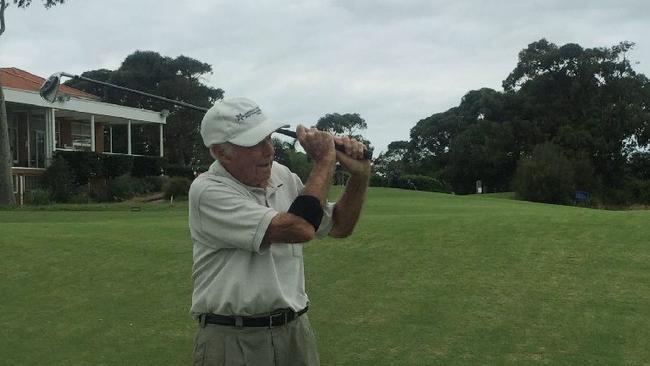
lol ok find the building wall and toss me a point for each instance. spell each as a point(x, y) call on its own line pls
point(65, 134)
point(99, 138)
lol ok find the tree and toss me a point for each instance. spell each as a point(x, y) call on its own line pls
point(546, 176)
point(589, 101)
point(6, 191)
point(389, 165)
point(349, 124)
point(483, 151)
point(174, 78)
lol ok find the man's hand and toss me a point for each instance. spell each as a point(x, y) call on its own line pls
point(352, 160)
point(319, 145)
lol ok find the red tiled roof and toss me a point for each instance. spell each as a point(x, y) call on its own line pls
point(12, 77)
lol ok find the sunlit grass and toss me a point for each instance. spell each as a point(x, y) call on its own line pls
point(427, 279)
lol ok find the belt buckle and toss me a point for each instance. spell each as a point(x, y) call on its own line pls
point(280, 312)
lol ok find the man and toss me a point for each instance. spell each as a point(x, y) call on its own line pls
point(249, 218)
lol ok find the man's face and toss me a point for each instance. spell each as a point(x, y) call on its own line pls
point(250, 165)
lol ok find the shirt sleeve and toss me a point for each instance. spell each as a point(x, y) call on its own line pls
point(230, 219)
point(326, 223)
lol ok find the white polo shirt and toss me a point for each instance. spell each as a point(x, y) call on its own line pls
point(232, 274)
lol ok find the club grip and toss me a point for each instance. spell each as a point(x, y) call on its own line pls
point(367, 153)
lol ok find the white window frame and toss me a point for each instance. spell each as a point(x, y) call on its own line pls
point(76, 136)
point(57, 134)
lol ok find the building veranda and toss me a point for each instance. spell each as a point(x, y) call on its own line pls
point(76, 121)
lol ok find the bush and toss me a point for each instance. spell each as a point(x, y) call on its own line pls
point(178, 170)
point(116, 165)
point(37, 197)
point(422, 183)
point(153, 183)
point(176, 187)
point(640, 191)
point(378, 181)
point(87, 164)
point(546, 176)
point(125, 187)
point(145, 166)
point(60, 180)
point(84, 164)
point(80, 197)
point(639, 165)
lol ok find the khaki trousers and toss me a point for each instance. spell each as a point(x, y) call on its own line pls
point(292, 344)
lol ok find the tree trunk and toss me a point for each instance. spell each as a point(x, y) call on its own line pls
point(6, 186)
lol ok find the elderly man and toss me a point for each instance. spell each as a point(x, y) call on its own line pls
point(249, 219)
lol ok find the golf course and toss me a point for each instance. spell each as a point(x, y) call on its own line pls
point(426, 279)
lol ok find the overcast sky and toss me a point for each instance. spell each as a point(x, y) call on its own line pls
point(392, 61)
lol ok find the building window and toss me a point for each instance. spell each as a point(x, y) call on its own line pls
point(80, 136)
point(13, 139)
point(13, 144)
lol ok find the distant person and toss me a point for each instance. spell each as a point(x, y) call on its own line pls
point(249, 219)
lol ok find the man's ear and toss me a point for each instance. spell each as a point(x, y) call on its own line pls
point(220, 154)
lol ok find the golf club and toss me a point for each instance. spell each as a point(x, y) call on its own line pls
point(50, 88)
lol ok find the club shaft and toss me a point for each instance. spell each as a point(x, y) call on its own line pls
point(176, 102)
point(367, 154)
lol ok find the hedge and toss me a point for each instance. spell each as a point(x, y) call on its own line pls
point(86, 164)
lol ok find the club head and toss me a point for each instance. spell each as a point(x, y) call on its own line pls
point(50, 88)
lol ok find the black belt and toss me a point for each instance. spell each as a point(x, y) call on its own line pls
point(275, 319)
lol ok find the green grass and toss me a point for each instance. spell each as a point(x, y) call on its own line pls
point(427, 279)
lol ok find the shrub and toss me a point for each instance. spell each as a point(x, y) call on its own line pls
point(60, 180)
point(178, 170)
point(378, 181)
point(176, 187)
point(640, 190)
point(84, 164)
point(125, 187)
point(546, 176)
point(422, 183)
point(145, 166)
point(639, 165)
point(37, 197)
point(153, 183)
point(81, 196)
point(116, 165)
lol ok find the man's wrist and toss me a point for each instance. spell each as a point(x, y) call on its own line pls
point(325, 161)
point(363, 174)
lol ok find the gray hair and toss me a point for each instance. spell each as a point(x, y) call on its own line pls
point(226, 147)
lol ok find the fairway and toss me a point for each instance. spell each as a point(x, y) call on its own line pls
point(427, 279)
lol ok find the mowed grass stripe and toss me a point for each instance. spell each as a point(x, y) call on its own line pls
point(426, 279)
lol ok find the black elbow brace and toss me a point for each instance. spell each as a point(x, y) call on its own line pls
point(307, 207)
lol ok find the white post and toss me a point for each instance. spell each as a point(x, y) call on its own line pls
point(161, 140)
point(50, 135)
point(29, 137)
point(21, 185)
point(128, 135)
point(110, 135)
point(92, 132)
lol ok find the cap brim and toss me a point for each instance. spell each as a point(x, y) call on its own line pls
point(253, 136)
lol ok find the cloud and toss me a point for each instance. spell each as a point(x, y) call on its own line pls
point(394, 62)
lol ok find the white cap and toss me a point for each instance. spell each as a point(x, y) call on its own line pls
point(238, 121)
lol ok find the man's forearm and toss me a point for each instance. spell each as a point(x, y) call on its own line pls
point(319, 181)
point(348, 208)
